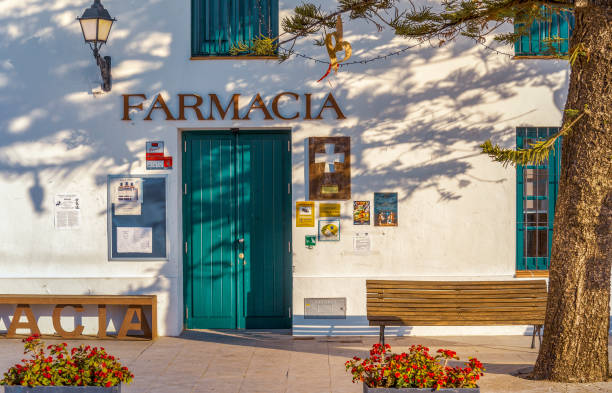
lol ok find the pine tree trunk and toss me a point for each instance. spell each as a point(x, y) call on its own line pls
point(575, 345)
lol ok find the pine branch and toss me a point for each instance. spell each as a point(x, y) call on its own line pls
point(538, 152)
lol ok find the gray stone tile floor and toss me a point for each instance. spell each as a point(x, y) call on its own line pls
point(275, 361)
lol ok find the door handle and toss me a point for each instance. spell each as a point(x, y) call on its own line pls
point(241, 240)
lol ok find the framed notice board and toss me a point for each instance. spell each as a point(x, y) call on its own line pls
point(137, 216)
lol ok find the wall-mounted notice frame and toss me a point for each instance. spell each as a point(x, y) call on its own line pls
point(137, 217)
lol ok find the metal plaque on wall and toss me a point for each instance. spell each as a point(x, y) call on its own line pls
point(325, 308)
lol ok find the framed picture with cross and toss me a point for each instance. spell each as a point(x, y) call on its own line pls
point(329, 168)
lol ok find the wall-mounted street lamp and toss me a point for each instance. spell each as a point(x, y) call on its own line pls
point(96, 24)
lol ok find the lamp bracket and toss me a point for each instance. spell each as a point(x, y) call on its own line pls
point(105, 70)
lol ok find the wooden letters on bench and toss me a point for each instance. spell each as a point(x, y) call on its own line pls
point(129, 323)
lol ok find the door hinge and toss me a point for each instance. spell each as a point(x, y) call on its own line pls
point(289, 247)
point(288, 188)
point(288, 145)
point(185, 247)
point(289, 312)
point(185, 147)
point(185, 188)
point(186, 312)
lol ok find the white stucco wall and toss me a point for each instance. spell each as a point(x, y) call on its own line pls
point(415, 123)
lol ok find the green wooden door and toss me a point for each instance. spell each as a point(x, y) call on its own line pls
point(237, 229)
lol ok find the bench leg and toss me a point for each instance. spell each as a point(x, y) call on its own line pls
point(540, 334)
point(381, 336)
point(536, 330)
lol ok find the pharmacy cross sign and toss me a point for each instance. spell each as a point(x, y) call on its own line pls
point(329, 168)
point(329, 158)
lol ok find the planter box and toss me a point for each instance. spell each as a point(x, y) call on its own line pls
point(62, 389)
point(367, 389)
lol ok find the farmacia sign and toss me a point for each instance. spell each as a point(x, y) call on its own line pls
point(295, 106)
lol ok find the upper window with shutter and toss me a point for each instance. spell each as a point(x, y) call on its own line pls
point(219, 25)
point(548, 36)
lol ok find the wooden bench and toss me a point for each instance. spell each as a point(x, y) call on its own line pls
point(456, 303)
point(135, 307)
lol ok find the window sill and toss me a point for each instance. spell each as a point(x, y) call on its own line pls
point(531, 273)
point(234, 58)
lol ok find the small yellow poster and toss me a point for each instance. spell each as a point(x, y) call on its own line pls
point(304, 214)
point(329, 210)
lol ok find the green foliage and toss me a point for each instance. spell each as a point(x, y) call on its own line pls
point(538, 152)
point(475, 19)
point(260, 46)
point(535, 155)
point(307, 19)
point(81, 366)
point(472, 18)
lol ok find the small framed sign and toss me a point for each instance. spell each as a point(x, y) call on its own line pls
point(304, 214)
point(361, 212)
point(310, 241)
point(329, 210)
point(385, 209)
point(329, 230)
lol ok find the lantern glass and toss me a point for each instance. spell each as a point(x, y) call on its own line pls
point(90, 29)
point(104, 27)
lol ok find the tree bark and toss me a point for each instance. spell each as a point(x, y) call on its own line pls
point(575, 345)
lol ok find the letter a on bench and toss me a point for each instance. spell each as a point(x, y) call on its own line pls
point(15, 324)
point(128, 323)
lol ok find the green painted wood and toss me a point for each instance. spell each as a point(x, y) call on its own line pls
point(217, 25)
point(210, 263)
point(524, 230)
point(264, 179)
point(238, 187)
point(541, 37)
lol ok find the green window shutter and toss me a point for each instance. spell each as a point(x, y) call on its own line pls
point(537, 187)
point(548, 36)
point(217, 25)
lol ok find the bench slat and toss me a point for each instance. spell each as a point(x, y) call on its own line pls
point(458, 302)
point(416, 284)
point(137, 300)
point(415, 322)
point(434, 295)
point(448, 309)
point(470, 291)
point(459, 315)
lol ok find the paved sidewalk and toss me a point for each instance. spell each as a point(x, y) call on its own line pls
point(268, 362)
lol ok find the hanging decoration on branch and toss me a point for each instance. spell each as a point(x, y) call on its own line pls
point(333, 49)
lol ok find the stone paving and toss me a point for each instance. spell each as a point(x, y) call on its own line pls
point(268, 362)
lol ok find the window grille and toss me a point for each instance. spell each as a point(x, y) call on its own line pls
point(536, 197)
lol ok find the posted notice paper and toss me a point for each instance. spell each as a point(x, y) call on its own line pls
point(127, 196)
point(67, 211)
point(134, 240)
point(362, 243)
